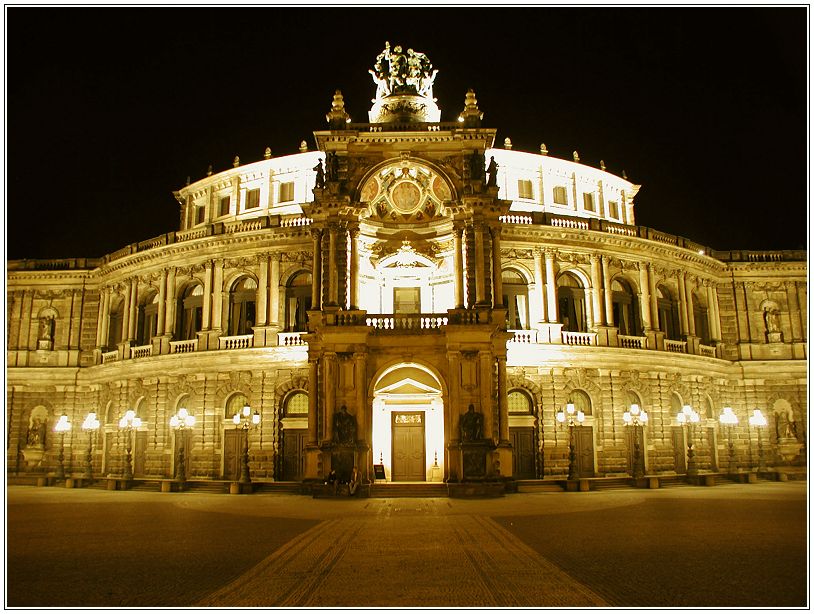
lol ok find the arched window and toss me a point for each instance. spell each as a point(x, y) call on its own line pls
point(701, 318)
point(242, 306)
point(190, 313)
point(571, 303)
point(235, 405)
point(519, 403)
point(114, 331)
point(147, 319)
point(676, 404)
point(625, 308)
point(297, 301)
point(582, 402)
point(668, 313)
point(296, 404)
point(633, 398)
point(516, 300)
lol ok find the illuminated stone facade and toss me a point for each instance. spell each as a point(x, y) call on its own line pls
point(368, 298)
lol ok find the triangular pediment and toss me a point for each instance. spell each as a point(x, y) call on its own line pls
point(408, 386)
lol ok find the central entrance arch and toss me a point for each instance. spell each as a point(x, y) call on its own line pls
point(408, 424)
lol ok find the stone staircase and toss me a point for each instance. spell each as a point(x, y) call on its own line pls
point(533, 486)
point(672, 481)
point(383, 490)
point(277, 488)
point(612, 483)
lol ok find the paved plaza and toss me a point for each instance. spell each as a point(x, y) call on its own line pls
point(724, 546)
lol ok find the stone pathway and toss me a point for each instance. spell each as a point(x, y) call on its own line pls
point(405, 553)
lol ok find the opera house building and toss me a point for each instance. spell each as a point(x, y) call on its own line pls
point(410, 298)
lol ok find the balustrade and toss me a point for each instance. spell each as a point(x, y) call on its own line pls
point(679, 347)
point(406, 322)
point(707, 350)
point(111, 356)
point(523, 336)
point(560, 222)
point(141, 351)
point(290, 339)
point(237, 342)
point(515, 219)
point(632, 343)
point(289, 222)
point(572, 338)
point(183, 347)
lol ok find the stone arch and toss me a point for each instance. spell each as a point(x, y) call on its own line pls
point(296, 383)
point(359, 194)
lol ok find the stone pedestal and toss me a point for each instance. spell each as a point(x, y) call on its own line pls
point(788, 448)
point(343, 460)
point(473, 460)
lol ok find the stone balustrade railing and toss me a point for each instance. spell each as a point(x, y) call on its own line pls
point(631, 342)
point(237, 342)
point(406, 322)
point(183, 347)
point(290, 339)
point(570, 222)
point(574, 338)
point(679, 347)
point(707, 350)
point(513, 218)
point(141, 351)
point(523, 336)
point(294, 221)
point(111, 356)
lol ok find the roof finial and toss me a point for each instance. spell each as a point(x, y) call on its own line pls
point(209, 170)
point(337, 117)
point(507, 143)
point(576, 156)
point(602, 164)
point(236, 161)
point(624, 174)
point(303, 146)
point(471, 115)
point(543, 149)
point(267, 153)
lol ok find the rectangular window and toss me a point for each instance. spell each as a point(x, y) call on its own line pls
point(524, 189)
point(588, 201)
point(613, 209)
point(200, 215)
point(287, 192)
point(223, 207)
point(560, 195)
point(253, 199)
point(406, 300)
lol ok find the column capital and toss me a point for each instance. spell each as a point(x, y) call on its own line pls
point(274, 256)
point(316, 233)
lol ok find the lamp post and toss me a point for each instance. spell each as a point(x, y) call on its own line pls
point(758, 420)
point(636, 418)
point(62, 426)
point(572, 418)
point(91, 424)
point(689, 417)
point(127, 423)
point(180, 422)
point(244, 419)
point(729, 419)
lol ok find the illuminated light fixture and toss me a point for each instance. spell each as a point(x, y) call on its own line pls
point(244, 419)
point(62, 426)
point(758, 420)
point(730, 420)
point(180, 422)
point(689, 417)
point(636, 418)
point(573, 418)
point(127, 423)
point(700, 252)
point(91, 425)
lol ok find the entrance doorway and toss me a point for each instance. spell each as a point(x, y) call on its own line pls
point(408, 424)
point(409, 463)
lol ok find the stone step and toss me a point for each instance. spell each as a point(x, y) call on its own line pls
point(414, 489)
point(672, 481)
point(611, 483)
point(531, 486)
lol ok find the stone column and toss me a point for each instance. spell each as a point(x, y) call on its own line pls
point(596, 282)
point(458, 264)
point(316, 271)
point(313, 396)
point(133, 309)
point(644, 297)
point(361, 397)
point(539, 281)
point(353, 273)
point(690, 311)
point(262, 289)
point(217, 297)
point(162, 304)
point(682, 303)
point(497, 272)
point(486, 395)
point(128, 291)
point(329, 372)
point(654, 299)
point(274, 290)
point(606, 282)
point(104, 312)
point(503, 400)
point(169, 312)
point(712, 313)
point(206, 316)
point(333, 280)
point(480, 273)
point(550, 286)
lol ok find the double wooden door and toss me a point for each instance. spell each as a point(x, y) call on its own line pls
point(523, 452)
point(294, 441)
point(409, 460)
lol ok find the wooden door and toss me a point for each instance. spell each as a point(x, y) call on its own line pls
point(181, 436)
point(233, 444)
point(679, 450)
point(408, 463)
point(630, 438)
point(294, 441)
point(584, 447)
point(522, 439)
point(139, 453)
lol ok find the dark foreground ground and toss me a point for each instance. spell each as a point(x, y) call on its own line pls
point(725, 546)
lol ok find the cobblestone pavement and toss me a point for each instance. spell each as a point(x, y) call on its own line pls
point(734, 545)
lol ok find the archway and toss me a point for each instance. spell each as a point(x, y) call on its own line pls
point(408, 424)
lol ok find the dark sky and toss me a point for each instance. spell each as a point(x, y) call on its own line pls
point(108, 110)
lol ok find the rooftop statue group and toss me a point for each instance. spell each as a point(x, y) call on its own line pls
point(402, 73)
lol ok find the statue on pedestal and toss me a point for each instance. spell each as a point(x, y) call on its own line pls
point(471, 425)
point(344, 428)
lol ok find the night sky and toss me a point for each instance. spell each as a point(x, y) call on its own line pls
point(109, 110)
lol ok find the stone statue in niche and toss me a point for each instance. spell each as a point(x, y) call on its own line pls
point(771, 318)
point(46, 331)
point(36, 432)
point(320, 175)
point(344, 427)
point(492, 171)
point(471, 425)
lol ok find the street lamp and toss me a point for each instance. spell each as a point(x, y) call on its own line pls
point(91, 424)
point(244, 420)
point(729, 419)
point(181, 421)
point(689, 417)
point(127, 423)
point(758, 420)
point(62, 426)
point(572, 417)
point(636, 418)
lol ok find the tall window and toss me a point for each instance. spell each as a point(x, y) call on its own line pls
point(525, 189)
point(701, 319)
point(297, 302)
point(582, 402)
point(613, 209)
point(588, 201)
point(571, 303)
point(516, 300)
point(253, 199)
point(200, 215)
point(242, 306)
point(560, 195)
point(114, 331)
point(668, 313)
point(287, 192)
point(190, 313)
point(235, 405)
point(147, 319)
point(224, 205)
point(625, 308)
